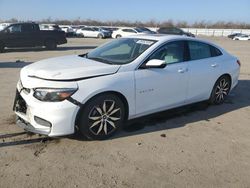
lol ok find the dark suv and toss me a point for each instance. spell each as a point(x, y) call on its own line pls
point(174, 31)
point(30, 35)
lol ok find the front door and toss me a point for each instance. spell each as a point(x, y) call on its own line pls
point(13, 36)
point(162, 88)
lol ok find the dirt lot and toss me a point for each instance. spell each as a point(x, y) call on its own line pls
point(198, 146)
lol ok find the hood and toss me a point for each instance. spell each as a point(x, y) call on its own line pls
point(71, 67)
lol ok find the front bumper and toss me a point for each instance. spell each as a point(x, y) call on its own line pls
point(47, 118)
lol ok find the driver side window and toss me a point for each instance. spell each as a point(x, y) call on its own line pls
point(14, 29)
point(172, 52)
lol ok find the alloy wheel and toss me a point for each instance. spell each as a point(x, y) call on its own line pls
point(222, 90)
point(103, 118)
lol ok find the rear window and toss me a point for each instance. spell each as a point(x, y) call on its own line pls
point(215, 51)
point(199, 50)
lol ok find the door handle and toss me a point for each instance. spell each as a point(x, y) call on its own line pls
point(214, 65)
point(182, 70)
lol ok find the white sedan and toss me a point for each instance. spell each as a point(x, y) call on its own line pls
point(242, 37)
point(124, 32)
point(93, 32)
point(126, 78)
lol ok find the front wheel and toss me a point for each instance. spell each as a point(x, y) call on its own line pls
point(220, 90)
point(102, 117)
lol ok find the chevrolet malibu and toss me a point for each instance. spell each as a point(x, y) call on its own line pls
point(95, 93)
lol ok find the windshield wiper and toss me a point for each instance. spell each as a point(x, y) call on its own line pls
point(100, 60)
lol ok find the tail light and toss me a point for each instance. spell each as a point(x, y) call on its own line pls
point(238, 61)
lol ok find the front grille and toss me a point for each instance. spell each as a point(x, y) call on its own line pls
point(19, 103)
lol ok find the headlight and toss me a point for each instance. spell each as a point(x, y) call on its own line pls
point(53, 95)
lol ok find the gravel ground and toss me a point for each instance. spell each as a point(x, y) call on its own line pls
point(195, 146)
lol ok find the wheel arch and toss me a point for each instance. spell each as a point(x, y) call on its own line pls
point(227, 75)
point(120, 95)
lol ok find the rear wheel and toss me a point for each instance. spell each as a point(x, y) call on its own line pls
point(118, 36)
point(100, 36)
point(50, 44)
point(102, 117)
point(220, 90)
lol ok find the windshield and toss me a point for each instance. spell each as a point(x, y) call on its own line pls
point(139, 30)
point(120, 51)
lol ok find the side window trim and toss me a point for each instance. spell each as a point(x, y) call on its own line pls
point(210, 45)
point(190, 59)
point(186, 53)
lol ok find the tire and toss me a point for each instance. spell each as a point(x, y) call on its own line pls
point(101, 117)
point(51, 44)
point(1, 47)
point(118, 36)
point(220, 90)
point(100, 36)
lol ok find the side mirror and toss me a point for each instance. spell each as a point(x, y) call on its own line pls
point(156, 63)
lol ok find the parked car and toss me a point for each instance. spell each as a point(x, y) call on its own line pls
point(126, 78)
point(30, 35)
point(145, 30)
point(68, 30)
point(111, 29)
point(242, 37)
point(50, 27)
point(92, 32)
point(107, 32)
point(3, 25)
point(76, 27)
point(124, 32)
point(174, 31)
point(234, 35)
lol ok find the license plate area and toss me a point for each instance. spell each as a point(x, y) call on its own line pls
point(19, 104)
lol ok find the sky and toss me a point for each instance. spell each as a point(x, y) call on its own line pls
point(128, 10)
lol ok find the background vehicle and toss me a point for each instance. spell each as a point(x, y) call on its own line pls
point(75, 28)
point(68, 30)
point(30, 35)
point(145, 30)
point(92, 32)
point(106, 32)
point(242, 37)
point(50, 27)
point(124, 79)
point(3, 25)
point(234, 35)
point(174, 31)
point(124, 32)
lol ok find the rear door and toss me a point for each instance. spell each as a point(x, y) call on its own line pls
point(204, 67)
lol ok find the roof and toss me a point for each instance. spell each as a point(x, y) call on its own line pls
point(158, 37)
point(164, 38)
